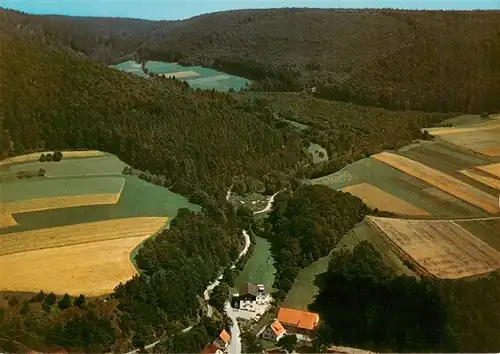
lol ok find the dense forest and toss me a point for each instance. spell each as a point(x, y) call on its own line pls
point(157, 304)
point(305, 225)
point(364, 304)
point(422, 60)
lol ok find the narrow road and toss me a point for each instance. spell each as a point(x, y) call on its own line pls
point(269, 205)
point(235, 345)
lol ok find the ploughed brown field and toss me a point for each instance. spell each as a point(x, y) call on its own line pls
point(440, 248)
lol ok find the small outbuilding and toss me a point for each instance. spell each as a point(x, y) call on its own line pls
point(274, 332)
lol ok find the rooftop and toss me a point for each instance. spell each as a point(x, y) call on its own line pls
point(299, 319)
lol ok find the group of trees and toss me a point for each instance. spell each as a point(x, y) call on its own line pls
point(363, 303)
point(305, 225)
point(56, 156)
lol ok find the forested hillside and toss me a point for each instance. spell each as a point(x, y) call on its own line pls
point(196, 139)
point(107, 40)
point(424, 60)
point(364, 304)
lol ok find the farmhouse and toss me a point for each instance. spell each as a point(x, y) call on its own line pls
point(298, 321)
point(250, 297)
point(274, 332)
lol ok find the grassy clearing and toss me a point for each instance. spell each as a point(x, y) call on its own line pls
point(442, 181)
point(138, 199)
point(260, 267)
point(439, 248)
point(48, 188)
point(319, 153)
point(35, 156)
point(80, 233)
point(7, 221)
point(377, 198)
point(92, 166)
point(486, 230)
point(92, 269)
point(305, 288)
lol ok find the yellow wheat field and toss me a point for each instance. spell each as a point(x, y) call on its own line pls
point(441, 180)
point(377, 198)
point(39, 204)
point(493, 169)
point(439, 247)
point(7, 221)
point(92, 269)
point(488, 181)
point(80, 233)
point(35, 156)
point(181, 74)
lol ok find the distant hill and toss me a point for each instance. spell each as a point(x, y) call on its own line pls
point(423, 60)
point(196, 139)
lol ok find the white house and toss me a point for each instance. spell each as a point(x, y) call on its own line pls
point(251, 297)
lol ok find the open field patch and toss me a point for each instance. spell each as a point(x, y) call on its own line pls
point(35, 156)
point(377, 198)
point(7, 220)
point(138, 199)
point(260, 267)
point(92, 268)
point(401, 185)
point(49, 188)
point(482, 178)
point(446, 183)
point(80, 233)
point(40, 204)
point(439, 248)
point(319, 153)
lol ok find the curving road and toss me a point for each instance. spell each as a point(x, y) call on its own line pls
point(269, 205)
